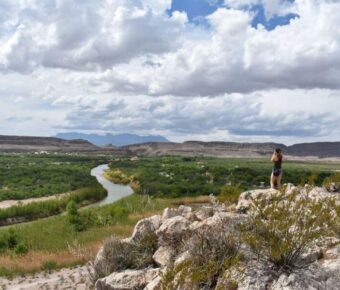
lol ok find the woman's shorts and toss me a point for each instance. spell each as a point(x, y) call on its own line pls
point(277, 172)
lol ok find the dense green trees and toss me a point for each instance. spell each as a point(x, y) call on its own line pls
point(36, 210)
point(178, 176)
point(25, 176)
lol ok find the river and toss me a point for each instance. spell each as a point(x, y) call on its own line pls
point(114, 191)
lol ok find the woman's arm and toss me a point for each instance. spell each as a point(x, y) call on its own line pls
point(274, 158)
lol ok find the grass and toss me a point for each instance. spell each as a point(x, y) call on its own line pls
point(42, 236)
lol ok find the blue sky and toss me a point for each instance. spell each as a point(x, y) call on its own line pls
point(198, 9)
point(137, 66)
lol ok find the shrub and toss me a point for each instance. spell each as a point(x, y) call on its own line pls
point(49, 265)
point(332, 183)
point(281, 228)
point(42, 209)
point(230, 193)
point(120, 255)
point(73, 216)
point(211, 254)
point(21, 249)
point(12, 239)
point(118, 213)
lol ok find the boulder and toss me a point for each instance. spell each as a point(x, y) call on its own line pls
point(127, 280)
point(219, 220)
point(321, 275)
point(182, 257)
point(163, 255)
point(155, 284)
point(318, 193)
point(245, 199)
point(184, 211)
point(100, 259)
point(204, 212)
point(145, 225)
point(171, 229)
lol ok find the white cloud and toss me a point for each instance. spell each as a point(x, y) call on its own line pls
point(271, 7)
point(87, 35)
point(126, 65)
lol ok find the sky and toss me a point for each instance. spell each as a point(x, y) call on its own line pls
point(210, 70)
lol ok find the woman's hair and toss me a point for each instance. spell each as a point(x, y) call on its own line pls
point(278, 150)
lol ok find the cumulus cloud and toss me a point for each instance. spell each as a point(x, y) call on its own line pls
point(234, 57)
point(271, 7)
point(87, 35)
point(129, 65)
point(235, 114)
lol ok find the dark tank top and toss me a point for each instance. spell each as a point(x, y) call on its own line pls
point(277, 164)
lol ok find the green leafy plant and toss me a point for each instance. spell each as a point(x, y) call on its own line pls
point(230, 193)
point(282, 227)
point(74, 217)
point(21, 249)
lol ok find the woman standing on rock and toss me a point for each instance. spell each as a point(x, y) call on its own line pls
point(277, 169)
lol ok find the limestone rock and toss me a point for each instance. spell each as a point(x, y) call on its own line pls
point(245, 199)
point(204, 212)
point(163, 255)
point(143, 226)
point(184, 211)
point(127, 280)
point(155, 284)
point(172, 228)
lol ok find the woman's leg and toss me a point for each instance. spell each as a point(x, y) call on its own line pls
point(279, 182)
point(272, 181)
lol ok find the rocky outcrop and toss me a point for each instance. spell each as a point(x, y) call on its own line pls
point(128, 279)
point(320, 265)
point(246, 198)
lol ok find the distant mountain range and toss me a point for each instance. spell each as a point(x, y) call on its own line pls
point(188, 148)
point(110, 139)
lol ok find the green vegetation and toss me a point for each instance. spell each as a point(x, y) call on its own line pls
point(25, 176)
point(75, 247)
point(282, 228)
point(332, 182)
point(36, 210)
point(192, 176)
point(211, 254)
point(120, 255)
point(160, 182)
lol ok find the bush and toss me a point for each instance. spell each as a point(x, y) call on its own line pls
point(21, 249)
point(281, 228)
point(230, 193)
point(49, 265)
point(211, 254)
point(73, 216)
point(36, 210)
point(120, 255)
point(332, 183)
point(118, 213)
point(10, 240)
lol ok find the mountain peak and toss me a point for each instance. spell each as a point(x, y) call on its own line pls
point(110, 139)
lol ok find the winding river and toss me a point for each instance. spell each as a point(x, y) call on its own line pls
point(114, 191)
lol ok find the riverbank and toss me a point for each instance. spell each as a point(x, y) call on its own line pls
point(9, 203)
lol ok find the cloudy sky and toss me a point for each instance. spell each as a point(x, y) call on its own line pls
point(232, 70)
